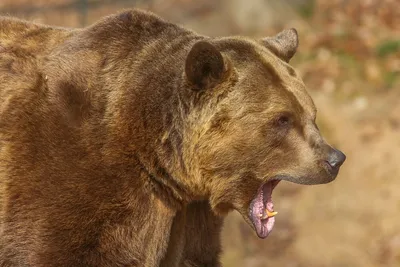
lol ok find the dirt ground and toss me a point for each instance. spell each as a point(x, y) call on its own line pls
point(349, 57)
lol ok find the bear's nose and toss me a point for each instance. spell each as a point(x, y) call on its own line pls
point(336, 158)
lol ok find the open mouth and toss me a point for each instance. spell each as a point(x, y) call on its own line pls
point(262, 212)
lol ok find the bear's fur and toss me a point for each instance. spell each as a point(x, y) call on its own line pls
point(125, 143)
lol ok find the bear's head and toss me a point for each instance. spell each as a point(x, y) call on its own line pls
point(251, 125)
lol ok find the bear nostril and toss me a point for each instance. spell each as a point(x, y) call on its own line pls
point(336, 158)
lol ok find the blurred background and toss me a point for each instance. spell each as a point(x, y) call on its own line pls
point(349, 57)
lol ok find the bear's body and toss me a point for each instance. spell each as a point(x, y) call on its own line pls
point(109, 141)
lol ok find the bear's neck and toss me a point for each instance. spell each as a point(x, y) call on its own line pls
point(146, 108)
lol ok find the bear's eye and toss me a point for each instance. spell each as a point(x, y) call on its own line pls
point(283, 120)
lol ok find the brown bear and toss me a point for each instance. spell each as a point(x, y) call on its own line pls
point(126, 142)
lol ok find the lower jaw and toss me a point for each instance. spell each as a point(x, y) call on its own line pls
point(258, 206)
point(265, 227)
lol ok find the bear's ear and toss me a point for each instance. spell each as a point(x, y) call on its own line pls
point(204, 65)
point(284, 44)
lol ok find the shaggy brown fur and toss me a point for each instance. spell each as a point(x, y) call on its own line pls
point(124, 143)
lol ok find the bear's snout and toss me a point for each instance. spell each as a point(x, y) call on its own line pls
point(334, 160)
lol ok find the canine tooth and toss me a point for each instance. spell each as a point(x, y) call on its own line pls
point(268, 214)
point(271, 214)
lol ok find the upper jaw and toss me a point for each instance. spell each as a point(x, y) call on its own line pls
point(323, 177)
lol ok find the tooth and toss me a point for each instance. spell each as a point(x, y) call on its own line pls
point(271, 214)
point(268, 214)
